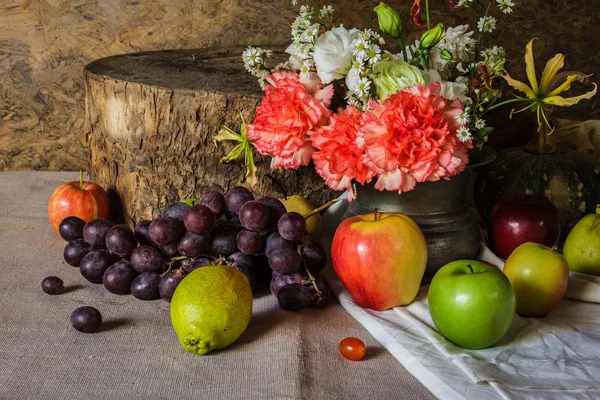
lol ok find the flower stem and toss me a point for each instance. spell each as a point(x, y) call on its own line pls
point(401, 43)
point(427, 14)
point(318, 210)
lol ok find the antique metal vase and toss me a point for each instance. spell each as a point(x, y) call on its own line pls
point(439, 208)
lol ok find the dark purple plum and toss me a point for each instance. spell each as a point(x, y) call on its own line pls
point(75, 251)
point(249, 242)
point(164, 231)
point(86, 319)
point(95, 230)
point(294, 297)
point(285, 261)
point(145, 286)
point(254, 215)
point(53, 285)
point(276, 210)
point(71, 228)
point(120, 240)
point(275, 242)
point(147, 259)
point(291, 226)
point(215, 201)
point(175, 210)
point(236, 197)
point(118, 277)
point(193, 244)
point(94, 264)
point(142, 233)
point(314, 255)
point(168, 283)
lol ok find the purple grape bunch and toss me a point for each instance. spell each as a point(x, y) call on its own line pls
point(257, 237)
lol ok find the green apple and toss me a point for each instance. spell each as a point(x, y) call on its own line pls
point(471, 303)
point(539, 276)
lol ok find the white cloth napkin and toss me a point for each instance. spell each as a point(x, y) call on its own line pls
point(556, 357)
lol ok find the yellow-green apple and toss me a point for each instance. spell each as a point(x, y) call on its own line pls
point(380, 259)
point(539, 276)
point(82, 199)
point(582, 247)
point(471, 303)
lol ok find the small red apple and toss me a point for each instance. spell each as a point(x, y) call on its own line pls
point(520, 218)
point(82, 199)
point(380, 259)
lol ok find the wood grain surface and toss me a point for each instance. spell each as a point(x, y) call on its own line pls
point(44, 45)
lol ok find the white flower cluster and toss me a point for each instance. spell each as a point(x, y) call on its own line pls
point(486, 24)
point(365, 53)
point(505, 6)
point(494, 58)
point(463, 132)
point(304, 34)
point(255, 62)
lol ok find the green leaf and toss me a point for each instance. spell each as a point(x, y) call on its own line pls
point(234, 154)
point(191, 202)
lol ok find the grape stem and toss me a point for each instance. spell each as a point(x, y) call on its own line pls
point(310, 276)
point(318, 210)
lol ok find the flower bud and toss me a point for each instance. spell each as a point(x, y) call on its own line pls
point(431, 37)
point(446, 55)
point(389, 20)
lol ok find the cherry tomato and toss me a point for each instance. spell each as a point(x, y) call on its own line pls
point(352, 348)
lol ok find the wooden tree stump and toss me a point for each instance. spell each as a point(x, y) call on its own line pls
point(150, 119)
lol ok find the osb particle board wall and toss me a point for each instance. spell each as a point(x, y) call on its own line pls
point(45, 44)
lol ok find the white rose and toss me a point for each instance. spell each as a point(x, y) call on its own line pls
point(333, 53)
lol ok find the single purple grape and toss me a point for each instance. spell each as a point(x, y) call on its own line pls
point(95, 231)
point(275, 242)
point(147, 259)
point(168, 283)
point(75, 251)
point(280, 280)
point(175, 210)
point(120, 240)
point(236, 197)
point(285, 261)
point(195, 264)
point(294, 297)
point(118, 277)
point(53, 285)
point(291, 226)
point(164, 231)
point(314, 255)
point(170, 250)
point(199, 219)
point(86, 319)
point(145, 286)
point(249, 242)
point(193, 244)
point(223, 240)
point(254, 215)
point(215, 201)
point(94, 264)
point(71, 228)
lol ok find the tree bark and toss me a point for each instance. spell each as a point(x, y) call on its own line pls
point(150, 119)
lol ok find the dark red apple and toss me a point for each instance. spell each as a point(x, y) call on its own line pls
point(522, 218)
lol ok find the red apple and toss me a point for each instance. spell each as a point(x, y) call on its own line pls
point(82, 199)
point(380, 259)
point(518, 219)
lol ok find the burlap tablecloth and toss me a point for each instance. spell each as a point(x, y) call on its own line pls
point(136, 355)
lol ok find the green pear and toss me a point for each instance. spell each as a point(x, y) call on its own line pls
point(582, 247)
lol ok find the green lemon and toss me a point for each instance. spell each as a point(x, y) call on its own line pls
point(303, 206)
point(582, 247)
point(211, 308)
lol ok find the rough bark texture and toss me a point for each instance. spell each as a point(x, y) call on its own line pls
point(150, 119)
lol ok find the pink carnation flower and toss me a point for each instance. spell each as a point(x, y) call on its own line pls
point(286, 117)
point(340, 154)
point(418, 142)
